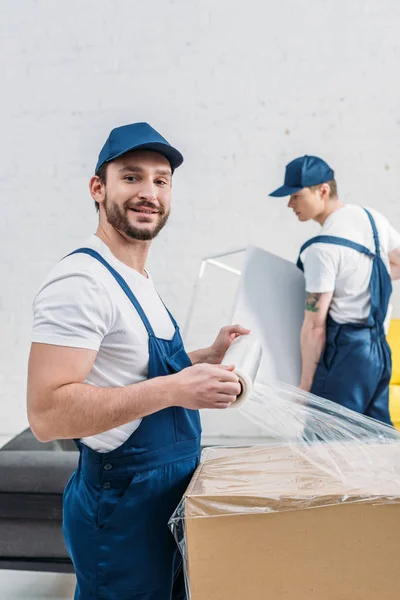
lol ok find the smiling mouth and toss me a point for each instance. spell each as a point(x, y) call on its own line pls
point(144, 211)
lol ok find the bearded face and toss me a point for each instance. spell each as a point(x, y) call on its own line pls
point(137, 194)
point(141, 220)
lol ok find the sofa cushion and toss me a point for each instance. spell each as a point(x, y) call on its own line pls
point(31, 538)
point(36, 471)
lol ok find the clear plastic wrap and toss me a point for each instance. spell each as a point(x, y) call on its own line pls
point(315, 454)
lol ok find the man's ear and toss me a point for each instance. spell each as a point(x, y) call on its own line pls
point(325, 190)
point(97, 189)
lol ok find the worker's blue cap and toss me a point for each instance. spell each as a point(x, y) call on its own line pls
point(302, 172)
point(137, 136)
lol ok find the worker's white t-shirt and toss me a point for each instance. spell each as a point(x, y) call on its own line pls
point(345, 271)
point(82, 306)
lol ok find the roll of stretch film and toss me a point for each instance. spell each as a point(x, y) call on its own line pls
point(245, 353)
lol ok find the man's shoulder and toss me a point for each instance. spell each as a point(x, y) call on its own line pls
point(379, 218)
point(355, 211)
point(320, 253)
point(349, 222)
point(75, 271)
point(73, 306)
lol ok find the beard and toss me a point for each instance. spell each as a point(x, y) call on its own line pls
point(118, 217)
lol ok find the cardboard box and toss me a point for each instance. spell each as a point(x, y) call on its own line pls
point(265, 523)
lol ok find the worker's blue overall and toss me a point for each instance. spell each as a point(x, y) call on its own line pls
point(355, 367)
point(117, 504)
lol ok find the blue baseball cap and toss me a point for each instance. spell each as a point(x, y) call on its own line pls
point(302, 172)
point(137, 136)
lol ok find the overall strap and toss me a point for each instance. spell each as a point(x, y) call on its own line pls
point(122, 283)
point(335, 240)
point(375, 232)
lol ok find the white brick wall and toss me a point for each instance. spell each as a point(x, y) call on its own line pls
point(239, 87)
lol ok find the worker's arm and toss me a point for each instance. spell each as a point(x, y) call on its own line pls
point(61, 406)
point(313, 335)
point(394, 259)
point(216, 352)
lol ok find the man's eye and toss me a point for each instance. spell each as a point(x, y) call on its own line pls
point(161, 182)
point(130, 178)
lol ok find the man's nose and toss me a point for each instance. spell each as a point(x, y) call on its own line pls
point(148, 191)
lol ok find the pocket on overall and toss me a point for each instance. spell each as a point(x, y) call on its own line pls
point(330, 351)
point(330, 354)
point(178, 361)
point(137, 552)
point(111, 496)
point(325, 365)
point(187, 424)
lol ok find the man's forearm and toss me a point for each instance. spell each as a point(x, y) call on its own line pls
point(80, 410)
point(312, 345)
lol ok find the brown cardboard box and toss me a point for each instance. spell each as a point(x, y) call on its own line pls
point(265, 523)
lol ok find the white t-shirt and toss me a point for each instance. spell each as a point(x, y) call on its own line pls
point(82, 306)
point(345, 271)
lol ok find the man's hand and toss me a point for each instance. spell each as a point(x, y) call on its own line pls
point(305, 387)
point(204, 386)
point(216, 352)
point(223, 340)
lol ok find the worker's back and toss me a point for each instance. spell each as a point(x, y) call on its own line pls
point(347, 272)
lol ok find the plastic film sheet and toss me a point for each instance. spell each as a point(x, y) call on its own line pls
point(316, 454)
point(330, 455)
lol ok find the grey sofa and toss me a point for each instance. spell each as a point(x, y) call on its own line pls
point(32, 479)
point(33, 476)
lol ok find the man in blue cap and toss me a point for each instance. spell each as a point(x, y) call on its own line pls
point(108, 368)
point(348, 269)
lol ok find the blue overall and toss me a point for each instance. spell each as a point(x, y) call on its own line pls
point(355, 367)
point(117, 504)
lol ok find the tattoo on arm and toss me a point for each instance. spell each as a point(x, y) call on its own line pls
point(312, 301)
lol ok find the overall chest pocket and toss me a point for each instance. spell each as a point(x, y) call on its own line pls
point(178, 361)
